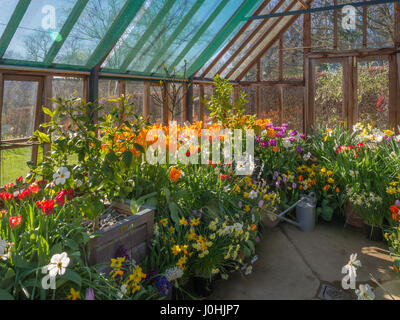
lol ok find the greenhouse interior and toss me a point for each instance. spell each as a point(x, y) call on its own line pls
point(199, 150)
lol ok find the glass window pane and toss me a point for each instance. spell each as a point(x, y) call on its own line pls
point(196, 103)
point(322, 27)
point(88, 31)
point(38, 29)
point(65, 87)
point(13, 163)
point(270, 64)
point(380, 26)
point(270, 104)
point(208, 92)
point(156, 105)
point(328, 94)
point(251, 96)
point(135, 91)
point(292, 53)
point(293, 107)
point(373, 93)
point(19, 104)
point(108, 89)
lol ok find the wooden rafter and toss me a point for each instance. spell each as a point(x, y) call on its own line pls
point(252, 35)
point(234, 39)
point(269, 44)
point(305, 5)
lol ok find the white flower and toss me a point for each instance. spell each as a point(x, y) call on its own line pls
point(61, 175)
point(365, 292)
point(58, 264)
point(237, 226)
point(248, 271)
point(353, 264)
point(353, 173)
point(307, 156)
point(253, 194)
point(3, 247)
point(173, 273)
point(286, 142)
point(255, 258)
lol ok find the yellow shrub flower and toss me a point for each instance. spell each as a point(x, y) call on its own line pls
point(74, 295)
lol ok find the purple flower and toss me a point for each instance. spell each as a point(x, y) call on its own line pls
point(269, 125)
point(260, 203)
point(397, 203)
point(264, 144)
point(240, 204)
point(303, 136)
point(276, 174)
point(257, 239)
point(298, 149)
point(293, 133)
point(294, 185)
point(280, 134)
point(122, 252)
point(272, 142)
point(285, 125)
point(291, 139)
point(89, 294)
point(258, 139)
point(252, 210)
point(284, 179)
point(278, 183)
point(163, 285)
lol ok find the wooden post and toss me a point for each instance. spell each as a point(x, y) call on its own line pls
point(309, 95)
point(236, 93)
point(335, 27)
point(306, 69)
point(165, 106)
point(393, 92)
point(350, 103)
point(94, 91)
point(201, 116)
point(280, 59)
point(189, 101)
point(258, 90)
point(48, 95)
point(146, 99)
point(38, 116)
point(280, 105)
point(364, 22)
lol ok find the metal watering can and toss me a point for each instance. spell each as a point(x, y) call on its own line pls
point(306, 213)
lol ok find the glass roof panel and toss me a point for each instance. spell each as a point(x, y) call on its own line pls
point(38, 29)
point(88, 31)
point(5, 14)
point(210, 33)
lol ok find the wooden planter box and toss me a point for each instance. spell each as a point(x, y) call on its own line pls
point(134, 232)
point(352, 217)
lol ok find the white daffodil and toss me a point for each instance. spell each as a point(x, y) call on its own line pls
point(307, 156)
point(365, 292)
point(353, 264)
point(353, 173)
point(61, 176)
point(248, 271)
point(286, 143)
point(253, 194)
point(58, 264)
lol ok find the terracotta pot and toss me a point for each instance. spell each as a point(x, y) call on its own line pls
point(352, 217)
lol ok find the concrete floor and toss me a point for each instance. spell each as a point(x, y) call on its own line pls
point(294, 265)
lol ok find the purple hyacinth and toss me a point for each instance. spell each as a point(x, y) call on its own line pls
point(89, 294)
point(298, 149)
point(163, 285)
point(272, 142)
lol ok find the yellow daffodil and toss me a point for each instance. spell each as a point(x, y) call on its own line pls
point(74, 295)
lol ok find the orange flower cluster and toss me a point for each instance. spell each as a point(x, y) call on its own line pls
point(174, 174)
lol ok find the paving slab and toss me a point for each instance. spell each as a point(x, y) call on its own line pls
point(294, 264)
point(279, 273)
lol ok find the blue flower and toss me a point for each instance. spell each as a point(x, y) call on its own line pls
point(163, 285)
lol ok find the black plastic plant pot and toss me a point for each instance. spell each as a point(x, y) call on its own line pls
point(203, 287)
point(373, 233)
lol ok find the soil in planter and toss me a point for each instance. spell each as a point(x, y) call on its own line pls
point(109, 219)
